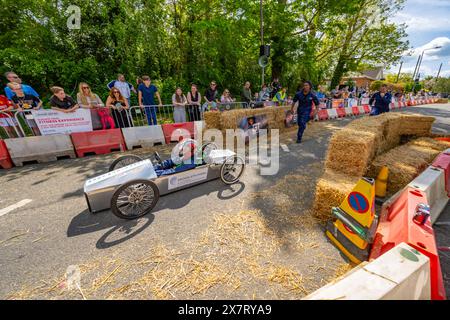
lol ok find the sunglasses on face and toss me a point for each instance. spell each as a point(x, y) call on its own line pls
point(86, 88)
point(116, 92)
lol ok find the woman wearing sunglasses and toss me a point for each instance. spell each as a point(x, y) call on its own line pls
point(119, 106)
point(89, 100)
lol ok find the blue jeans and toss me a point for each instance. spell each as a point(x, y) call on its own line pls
point(304, 115)
point(150, 112)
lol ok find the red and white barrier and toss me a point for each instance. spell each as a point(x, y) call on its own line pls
point(443, 162)
point(98, 142)
point(405, 218)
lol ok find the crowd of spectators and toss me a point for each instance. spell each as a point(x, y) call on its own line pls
point(114, 113)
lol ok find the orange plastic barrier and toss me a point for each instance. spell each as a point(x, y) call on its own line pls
point(355, 111)
point(98, 142)
point(443, 162)
point(173, 131)
point(322, 115)
point(406, 218)
point(341, 112)
point(5, 158)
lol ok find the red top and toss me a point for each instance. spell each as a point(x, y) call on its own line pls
point(4, 104)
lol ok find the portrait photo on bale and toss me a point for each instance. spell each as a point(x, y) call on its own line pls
point(252, 125)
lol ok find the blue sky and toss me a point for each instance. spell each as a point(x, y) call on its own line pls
point(428, 26)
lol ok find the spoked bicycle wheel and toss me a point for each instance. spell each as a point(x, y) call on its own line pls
point(134, 199)
point(124, 161)
point(232, 170)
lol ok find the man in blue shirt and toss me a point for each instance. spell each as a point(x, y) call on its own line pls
point(146, 98)
point(305, 99)
point(124, 87)
point(382, 101)
point(12, 77)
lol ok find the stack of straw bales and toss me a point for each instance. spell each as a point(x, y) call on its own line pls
point(230, 119)
point(406, 162)
point(212, 119)
point(353, 148)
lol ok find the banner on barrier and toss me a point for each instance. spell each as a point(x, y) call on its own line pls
point(55, 122)
point(338, 103)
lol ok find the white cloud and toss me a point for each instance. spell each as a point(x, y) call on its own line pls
point(422, 23)
point(431, 3)
point(434, 54)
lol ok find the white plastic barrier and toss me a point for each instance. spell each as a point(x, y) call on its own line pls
point(402, 273)
point(361, 110)
point(40, 148)
point(143, 137)
point(348, 112)
point(432, 183)
point(332, 114)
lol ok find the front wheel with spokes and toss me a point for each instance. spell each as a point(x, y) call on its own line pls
point(134, 199)
point(232, 170)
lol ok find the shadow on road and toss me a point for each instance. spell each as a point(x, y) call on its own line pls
point(120, 230)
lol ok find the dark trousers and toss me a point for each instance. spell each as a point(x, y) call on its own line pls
point(304, 115)
point(194, 113)
point(150, 112)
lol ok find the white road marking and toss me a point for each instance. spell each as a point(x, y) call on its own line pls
point(14, 206)
point(284, 147)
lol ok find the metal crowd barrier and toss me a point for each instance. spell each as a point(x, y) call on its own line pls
point(226, 106)
point(9, 127)
point(26, 123)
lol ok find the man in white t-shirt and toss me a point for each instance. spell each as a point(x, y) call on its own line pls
point(124, 87)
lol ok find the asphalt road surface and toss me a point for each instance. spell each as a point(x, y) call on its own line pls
point(254, 240)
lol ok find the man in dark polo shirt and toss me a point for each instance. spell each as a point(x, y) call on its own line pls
point(146, 98)
point(305, 98)
point(62, 102)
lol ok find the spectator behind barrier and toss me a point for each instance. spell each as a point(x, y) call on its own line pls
point(336, 93)
point(62, 102)
point(5, 106)
point(23, 101)
point(276, 87)
point(211, 97)
point(226, 97)
point(179, 102)
point(194, 99)
point(119, 106)
point(281, 97)
point(86, 98)
point(264, 94)
point(246, 94)
point(89, 100)
point(13, 77)
point(124, 87)
point(146, 98)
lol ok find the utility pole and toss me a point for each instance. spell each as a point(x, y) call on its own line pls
point(261, 26)
point(399, 71)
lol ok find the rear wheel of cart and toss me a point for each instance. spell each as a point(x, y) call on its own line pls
point(232, 169)
point(134, 199)
point(124, 161)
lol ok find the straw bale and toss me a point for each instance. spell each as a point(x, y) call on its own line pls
point(353, 148)
point(231, 119)
point(212, 120)
point(406, 162)
point(331, 190)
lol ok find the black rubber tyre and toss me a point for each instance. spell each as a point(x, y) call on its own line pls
point(134, 199)
point(124, 161)
point(232, 170)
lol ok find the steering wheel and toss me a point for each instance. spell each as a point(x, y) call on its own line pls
point(158, 157)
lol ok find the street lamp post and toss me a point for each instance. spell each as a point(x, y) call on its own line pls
point(419, 62)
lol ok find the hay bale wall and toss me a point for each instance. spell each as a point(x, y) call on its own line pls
point(352, 151)
point(406, 162)
point(353, 148)
point(331, 190)
point(230, 119)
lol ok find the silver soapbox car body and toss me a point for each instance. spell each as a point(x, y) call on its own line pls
point(133, 190)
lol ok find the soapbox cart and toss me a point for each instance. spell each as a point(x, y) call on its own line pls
point(131, 188)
